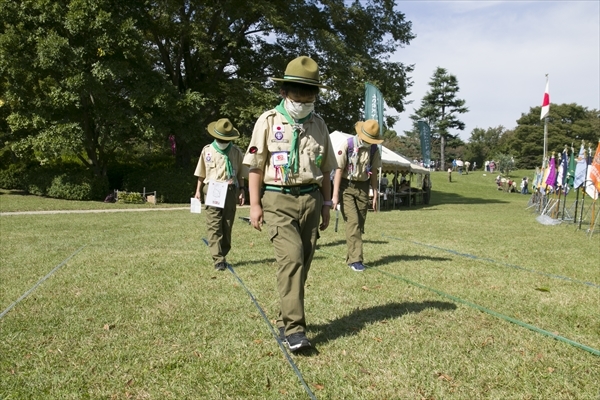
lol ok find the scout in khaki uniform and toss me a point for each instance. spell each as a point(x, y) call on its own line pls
point(358, 161)
point(221, 161)
point(290, 158)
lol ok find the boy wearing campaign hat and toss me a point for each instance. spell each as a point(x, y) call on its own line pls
point(221, 161)
point(290, 158)
point(358, 160)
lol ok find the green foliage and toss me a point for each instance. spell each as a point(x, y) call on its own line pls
point(130, 198)
point(505, 163)
point(94, 78)
point(62, 181)
point(483, 143)
point(12, 177)
point(77, 80)
point(567, 124)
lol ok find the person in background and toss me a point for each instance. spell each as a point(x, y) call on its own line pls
point(383, 183)
point(221, 161)
point(524, 186)
point(356, 159)
point(290, 158)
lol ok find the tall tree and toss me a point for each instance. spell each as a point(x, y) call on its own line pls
point(76, 80)
point(440, 108)
point(227, 50)
point(567, 124)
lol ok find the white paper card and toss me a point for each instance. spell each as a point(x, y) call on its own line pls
point(195, 205)
point(216, 194)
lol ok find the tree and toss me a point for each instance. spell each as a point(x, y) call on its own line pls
point(439, 108)
point(567, 124)
point(505, 163)
point(483, 143)
point(76, 81)
point(93, 77)
point(227, 50)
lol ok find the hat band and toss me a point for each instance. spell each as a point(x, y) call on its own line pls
point(219, 133)
point(368, 134)
point(300, 78)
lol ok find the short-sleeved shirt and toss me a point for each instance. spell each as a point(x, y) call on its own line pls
point(361, 173)
point(271, 143)
point(211, 165)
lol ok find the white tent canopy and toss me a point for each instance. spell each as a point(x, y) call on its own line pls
point(390, 161)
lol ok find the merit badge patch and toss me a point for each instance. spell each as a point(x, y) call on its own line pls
point(278, 131)
point(253, 150)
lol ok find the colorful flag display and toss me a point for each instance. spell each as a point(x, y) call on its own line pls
point(545, 102)
point(571, 168)
point(580, 168)
point(551, 177)
point(595, 170)
point(562, 169)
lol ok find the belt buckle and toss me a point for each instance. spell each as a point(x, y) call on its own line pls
point(294, 190)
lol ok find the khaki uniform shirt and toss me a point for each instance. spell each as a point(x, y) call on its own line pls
point(211, 165)
point(271, 144)
point(361, 165)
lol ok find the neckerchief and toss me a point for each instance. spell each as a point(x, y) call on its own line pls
point(297, 129)
point(225, 153)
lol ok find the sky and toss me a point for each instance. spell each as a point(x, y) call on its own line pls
point(500, 53)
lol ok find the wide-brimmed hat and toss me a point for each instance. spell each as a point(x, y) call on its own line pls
point(368, 131)
point(302, 70)
point(223, 129)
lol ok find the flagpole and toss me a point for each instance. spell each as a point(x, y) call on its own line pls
point(545, 140)
point(544, 114)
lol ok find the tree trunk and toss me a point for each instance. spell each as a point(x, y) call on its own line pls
point(442, 156)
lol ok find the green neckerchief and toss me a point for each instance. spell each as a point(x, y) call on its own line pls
point(297, 128)
point(225, 153)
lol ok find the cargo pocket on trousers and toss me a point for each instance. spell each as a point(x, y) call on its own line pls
point(272, 233)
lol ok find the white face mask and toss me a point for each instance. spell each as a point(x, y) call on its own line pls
point(223, 145)
point(298, 110)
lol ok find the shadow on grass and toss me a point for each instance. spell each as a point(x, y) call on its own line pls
point(354, 322)
point(400, 258)
point(343, 242)
point(247, 263)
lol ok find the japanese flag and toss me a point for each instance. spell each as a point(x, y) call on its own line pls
point(545, 102)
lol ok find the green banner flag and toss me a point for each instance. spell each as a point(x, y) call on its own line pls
point(425, 134)
point(374, 105)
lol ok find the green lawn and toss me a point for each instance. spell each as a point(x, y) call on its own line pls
point(467, 298)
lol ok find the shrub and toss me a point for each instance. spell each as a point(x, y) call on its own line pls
point(130, 198)
point(64, 181)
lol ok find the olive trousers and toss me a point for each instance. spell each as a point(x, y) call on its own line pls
point(354, 206)
point(293, 225)
point(219, 223)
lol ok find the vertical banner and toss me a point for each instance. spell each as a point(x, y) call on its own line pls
point(374, 105)
point(425, 134)
point(374, 110)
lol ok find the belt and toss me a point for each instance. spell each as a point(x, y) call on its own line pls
point(354, 184)
point(293, 190)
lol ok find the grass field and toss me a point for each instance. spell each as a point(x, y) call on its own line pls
point(466, 298)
